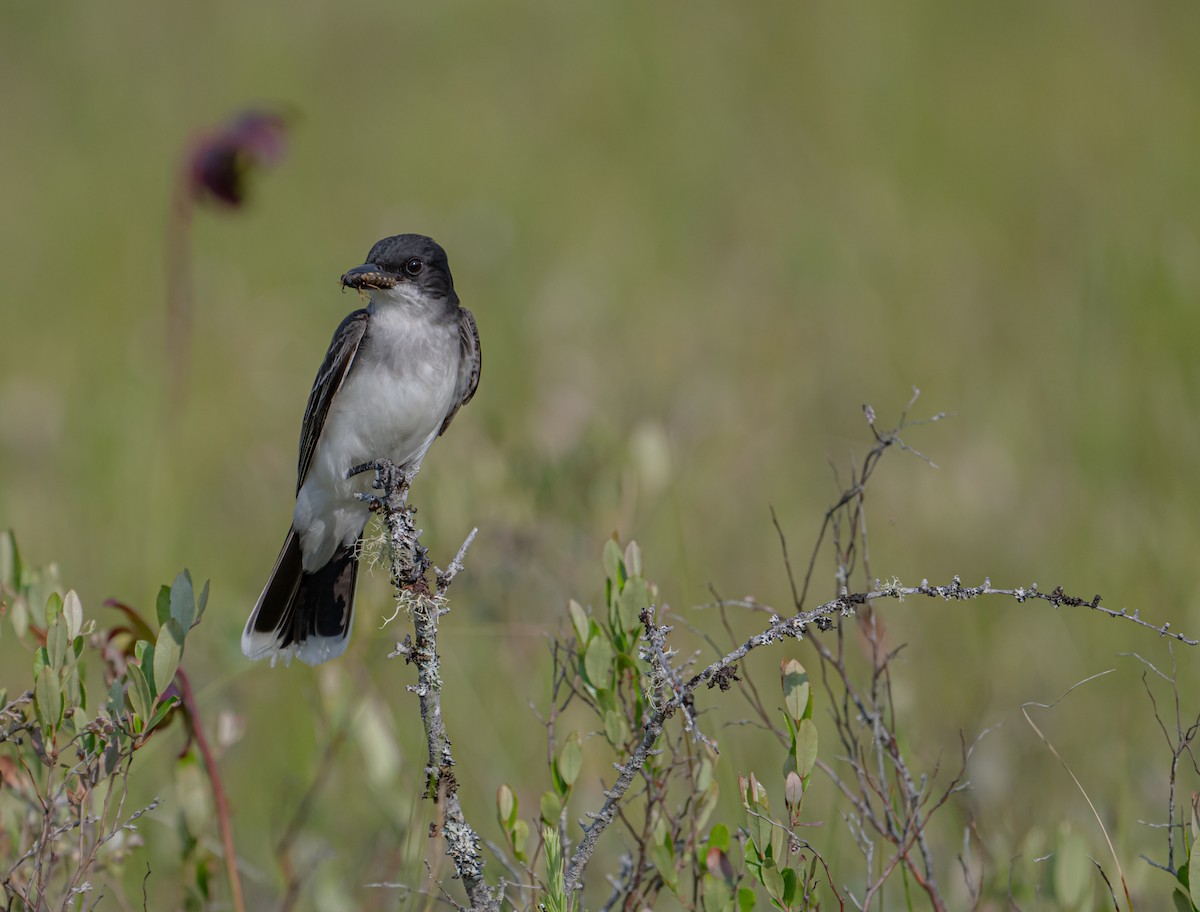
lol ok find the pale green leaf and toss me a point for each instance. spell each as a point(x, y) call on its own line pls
point(506, 806)
point(806, 747)
point(570, 759)
point(663, 856)
point(773, 881)
point(10, 560)
point(139, 695)
point(167, 653)
point(796, 689)
point(633, 559)
point(73, 614)
point(520, 838)
point(48, 697)
point(201, 603)
point(634, 598)
point(579, 620)
point(612, 564)
point(57, 642)
point(550, 807)
point(616, 729)
point(707, 804)
point(598, 663)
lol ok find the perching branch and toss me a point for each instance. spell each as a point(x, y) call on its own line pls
point(410, 566)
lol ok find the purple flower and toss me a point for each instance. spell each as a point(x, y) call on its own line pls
point(220, 162)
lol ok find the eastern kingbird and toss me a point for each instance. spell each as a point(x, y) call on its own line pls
point(395, 375)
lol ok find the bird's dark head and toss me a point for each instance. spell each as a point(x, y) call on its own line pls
point(405, 262)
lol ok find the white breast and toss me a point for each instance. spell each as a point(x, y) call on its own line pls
point(391, 405)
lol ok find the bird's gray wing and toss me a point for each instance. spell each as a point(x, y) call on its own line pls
point(343, 348)
point(469, 365)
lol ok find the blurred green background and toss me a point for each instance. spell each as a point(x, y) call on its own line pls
point(697, 238)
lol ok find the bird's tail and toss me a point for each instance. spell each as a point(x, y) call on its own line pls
point(307, 615)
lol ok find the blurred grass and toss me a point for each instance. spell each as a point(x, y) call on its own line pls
point(696, 240)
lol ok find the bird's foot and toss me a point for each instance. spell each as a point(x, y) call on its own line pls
point(390, 479)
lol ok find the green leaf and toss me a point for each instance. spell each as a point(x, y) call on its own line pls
point(506, 807)
point(54, 605)
point(745, 899)
point(116, 700)
point(663, 856)
point(183, 601)
point(57, 642)
point(520, 839)
point(18, 616)
point(73, 614)
point(789, 887)
point(707, 804)
point(806, 747)
point(633, 559)
point(73, 689)
point(201, 603)
point(570, 759)
point(616, 729)
point(598, 662)
point(160, 713)
point(778, 842)
point(634, 598)
point(796, 689)
point(162, 605)
point(550, 808)
point(167, 653)
point(718, 837)
point(48, 697)
point(10, 561)
point(773, 881)
point(579, 620)
point(717, 895)
point(612, 564)
point(138, 693)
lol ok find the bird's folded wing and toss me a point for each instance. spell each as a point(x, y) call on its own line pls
point(468, 367)
point(342, 349)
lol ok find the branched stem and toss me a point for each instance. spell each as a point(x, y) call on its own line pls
point(410, 566)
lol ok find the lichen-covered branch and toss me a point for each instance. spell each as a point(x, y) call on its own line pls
point(675, 695)
point(410, 566)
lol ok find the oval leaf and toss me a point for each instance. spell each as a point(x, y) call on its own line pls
point(634, 598)
point(795, 689)
point(167, 653)
point(806, 747)
point(183, 601)
point(73, 614)
point(550, 808)
point(48, 697)
point(579, 620)
point(506, 806)
point(570, 759)
point(612, 563)
point(597, 662)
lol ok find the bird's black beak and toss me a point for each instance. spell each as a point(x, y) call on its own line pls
point(368, 276)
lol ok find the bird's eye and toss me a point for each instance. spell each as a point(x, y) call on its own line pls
point(414, 266)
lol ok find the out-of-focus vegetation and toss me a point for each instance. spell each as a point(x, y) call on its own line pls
point(696, 239)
